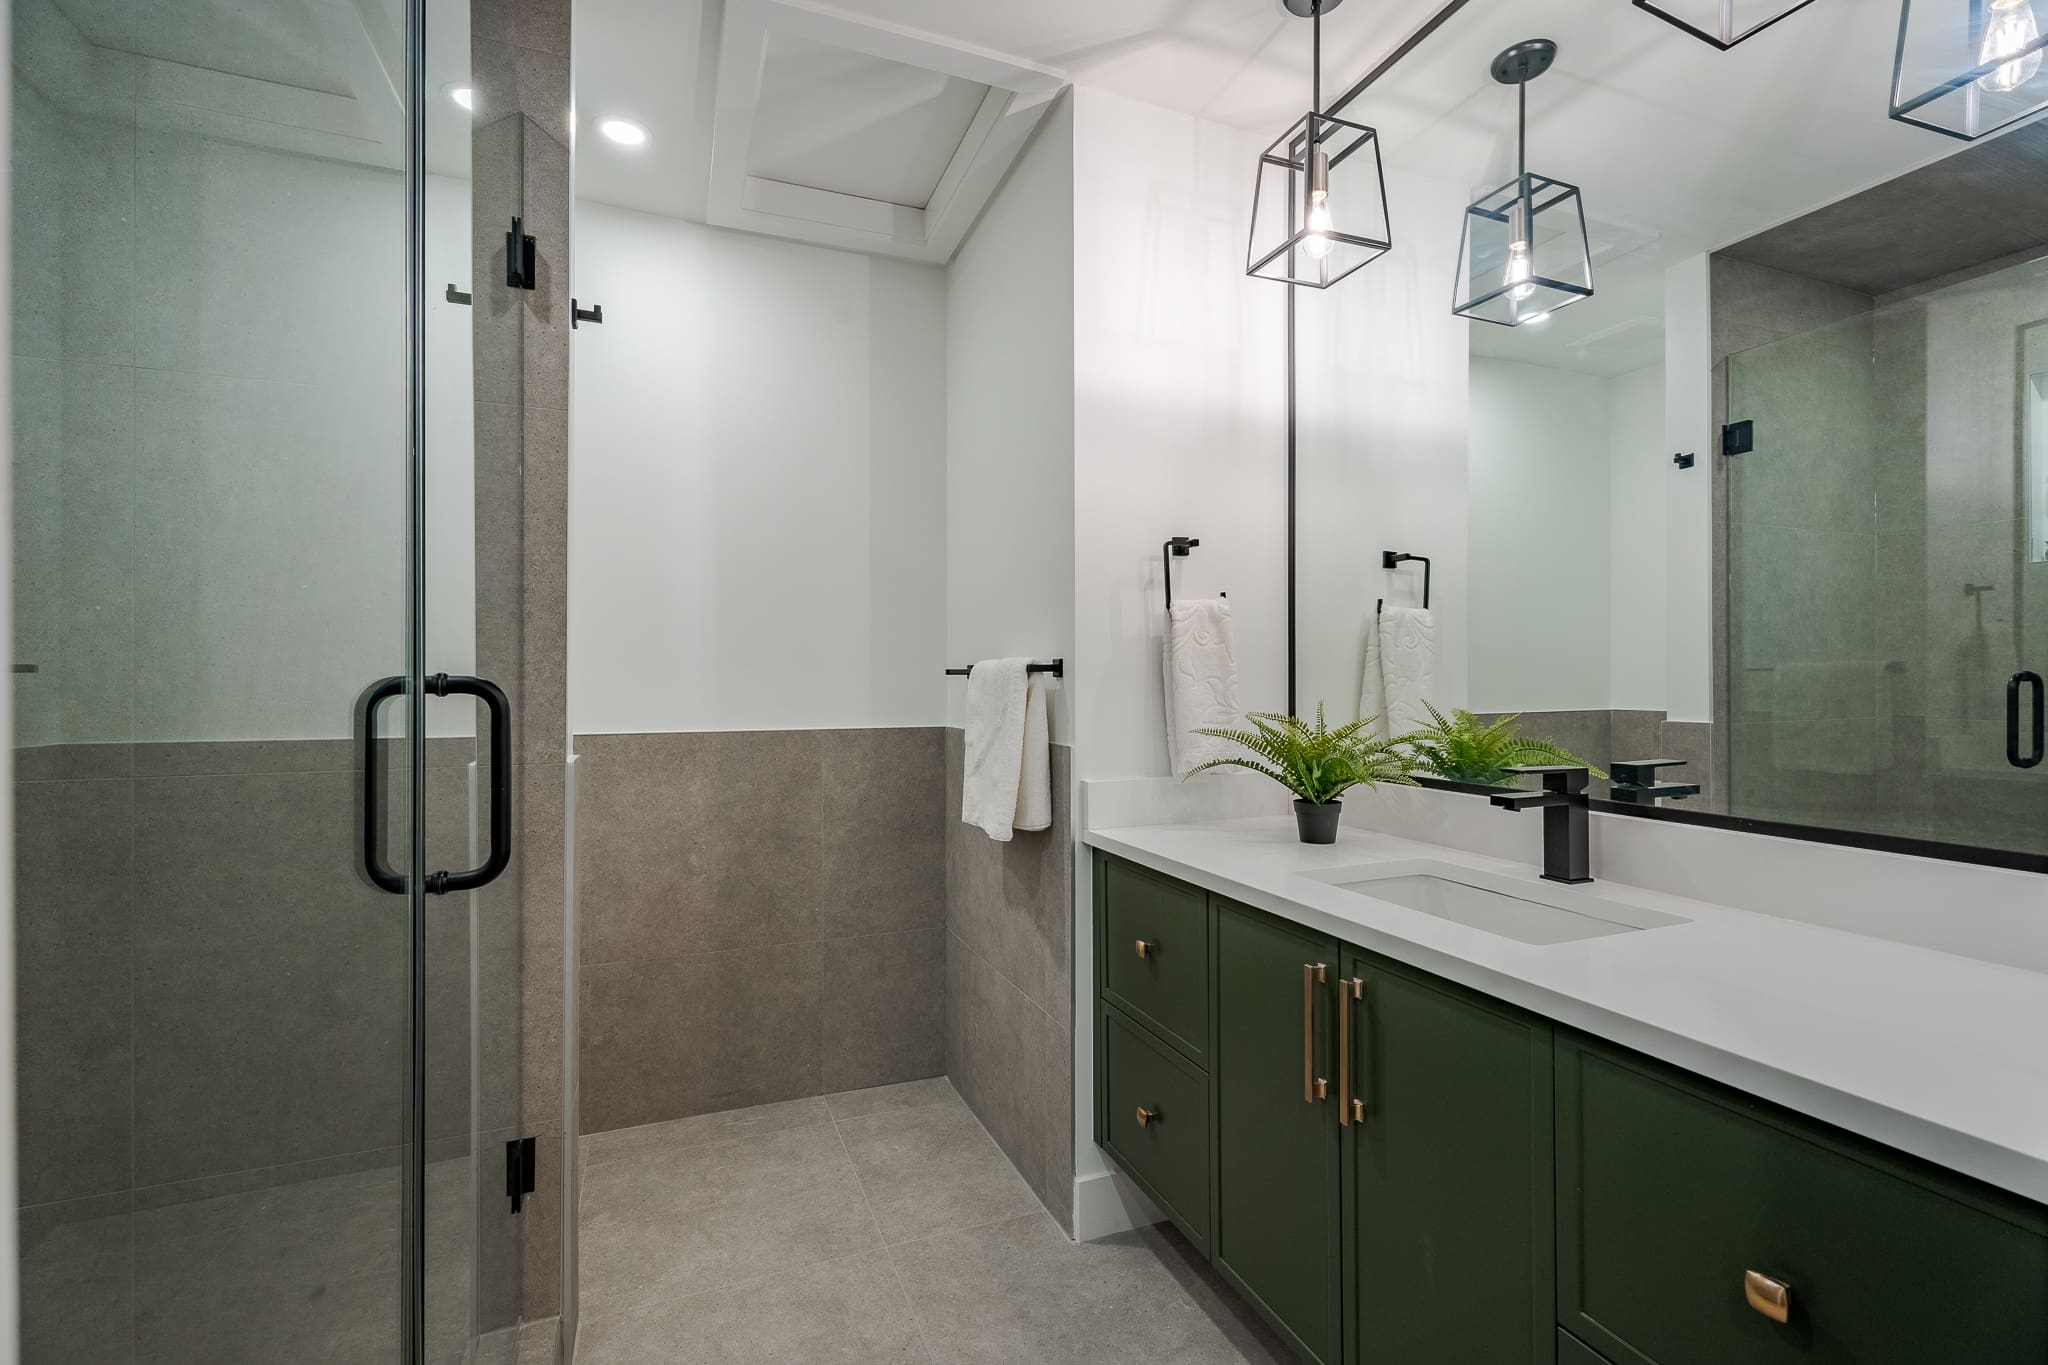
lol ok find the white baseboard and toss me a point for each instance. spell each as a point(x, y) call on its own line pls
point(1108, 1203)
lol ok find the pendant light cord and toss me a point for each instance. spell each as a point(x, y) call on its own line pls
point(1316, 44)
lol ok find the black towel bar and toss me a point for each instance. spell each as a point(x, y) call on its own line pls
point(1058, 669)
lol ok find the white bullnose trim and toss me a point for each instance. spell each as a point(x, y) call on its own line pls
point(1018, 97)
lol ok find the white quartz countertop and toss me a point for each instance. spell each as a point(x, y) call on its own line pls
point(1941, 1056)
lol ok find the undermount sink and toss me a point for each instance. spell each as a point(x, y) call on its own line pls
point(1563, 916)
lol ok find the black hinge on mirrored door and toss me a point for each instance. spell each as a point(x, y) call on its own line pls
point(375, 770)
point(520, 1156)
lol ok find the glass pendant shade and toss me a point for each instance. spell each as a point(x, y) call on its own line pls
point(1969, 67)
point(1524, 253)
point(1724, 23)
point(1319, 210)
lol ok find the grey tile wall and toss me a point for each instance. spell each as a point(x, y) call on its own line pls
point(1009, 983)
point(747, 940)
point(1603, 738)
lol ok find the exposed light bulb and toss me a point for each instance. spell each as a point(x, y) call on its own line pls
point(1320, 225)
point(1520, 273)
point(2011, 31)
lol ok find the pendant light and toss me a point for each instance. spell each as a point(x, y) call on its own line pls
point(1968, 68)
point(1524, 254)
point(1724, 23)
point(1319, 208)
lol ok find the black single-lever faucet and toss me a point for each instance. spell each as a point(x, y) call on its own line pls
point(1636, 782)
point(1567, 820)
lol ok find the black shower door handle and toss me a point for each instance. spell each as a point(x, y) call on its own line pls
point(499, 856)
point(373, 772)
point(2032, 758)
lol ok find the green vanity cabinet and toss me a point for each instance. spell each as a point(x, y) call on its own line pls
point(1276, 1226)
point(1448, 1246)
point(1683, 1207)
point(1397, 1170)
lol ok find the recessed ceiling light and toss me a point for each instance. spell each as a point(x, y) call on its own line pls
point(463, 95)
point(622, 130)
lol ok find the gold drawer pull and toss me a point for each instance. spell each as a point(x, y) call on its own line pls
point(1772, 1298)
point(1147, 948)
point(1148, 1117)
point(1350, 1108)
point(1313, 1087)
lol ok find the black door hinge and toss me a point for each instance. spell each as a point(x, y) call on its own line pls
point(1738, 438)
point(521, 271)
point(519, 1162)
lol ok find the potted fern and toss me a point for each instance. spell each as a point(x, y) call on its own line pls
point(1459, 749)
point(1314, 762)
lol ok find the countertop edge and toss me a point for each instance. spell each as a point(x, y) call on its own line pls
point(1950, 1148)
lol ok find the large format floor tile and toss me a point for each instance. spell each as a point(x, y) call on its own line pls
point(749, 1237)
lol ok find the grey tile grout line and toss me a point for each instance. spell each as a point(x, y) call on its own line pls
point(888, 1256)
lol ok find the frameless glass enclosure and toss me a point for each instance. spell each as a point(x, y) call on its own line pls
point(1887, 595)
point(261, 1101)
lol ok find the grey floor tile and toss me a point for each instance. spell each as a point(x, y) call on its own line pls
point(859, 1104)
point(933, 1169)
point(850, 1311)
point(77, 1284)
point(656, 1230)
point(1020, 1293)
point(305, 1273)
point(703, 1129)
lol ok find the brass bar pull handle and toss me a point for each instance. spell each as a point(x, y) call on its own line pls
point(1147, 948)
point(1772, 1298)
point(1350, 1109)
point(1148, 1117)
point(1313, 1088)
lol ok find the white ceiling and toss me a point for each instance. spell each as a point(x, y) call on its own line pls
point(855, 124)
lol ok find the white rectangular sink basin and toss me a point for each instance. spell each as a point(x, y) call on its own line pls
point(1564, 915)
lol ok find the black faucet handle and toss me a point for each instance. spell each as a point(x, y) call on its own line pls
point(1561, 779)
point(1642, 772)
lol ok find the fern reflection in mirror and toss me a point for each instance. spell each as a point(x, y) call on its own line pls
point(1460, 749)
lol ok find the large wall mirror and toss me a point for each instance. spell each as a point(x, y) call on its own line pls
point(1773, 501)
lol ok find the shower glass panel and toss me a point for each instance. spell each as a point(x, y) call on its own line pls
point(216, 527)
point(1886, 582)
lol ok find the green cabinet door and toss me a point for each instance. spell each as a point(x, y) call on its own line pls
point(1275, 1229)
point(1447, 1147)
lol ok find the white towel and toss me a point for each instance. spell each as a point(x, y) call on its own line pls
point(1400, 671)
point(1006, 786)
point(1201, 683)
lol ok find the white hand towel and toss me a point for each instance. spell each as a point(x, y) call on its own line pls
point(1034, 785)
point(1400, 671)
point(1201, 683)
point(998, 700)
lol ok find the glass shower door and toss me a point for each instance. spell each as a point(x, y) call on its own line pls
point(1888, 568)
point(250, 1093)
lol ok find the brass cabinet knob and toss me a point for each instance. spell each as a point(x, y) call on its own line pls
point(1772, 1298)
point(1147, 948)
point(1148, 1117)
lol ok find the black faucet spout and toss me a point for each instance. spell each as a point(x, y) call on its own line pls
point(1567, 820)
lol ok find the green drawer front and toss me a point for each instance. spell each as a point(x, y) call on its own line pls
point(1168, 986)
point(1668, 1191)
point(1169, 1151)
point(1572, 1351)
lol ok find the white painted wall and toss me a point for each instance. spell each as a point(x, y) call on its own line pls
point(1009, 514)
point(1180, 428)
point(1179, 417)
point(1540, 494)
point(211, 453)
point(758, 493)
point(1689, 493)
point(1638, 466)
point(1382, 452)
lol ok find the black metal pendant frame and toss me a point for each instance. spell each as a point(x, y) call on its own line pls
point(1906, 108)
point(1713, 39)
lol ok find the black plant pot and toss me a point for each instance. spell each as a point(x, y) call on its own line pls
point(1317, 823)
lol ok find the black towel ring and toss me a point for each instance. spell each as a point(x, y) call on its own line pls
point(1391, 559)
point(1177, 548)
